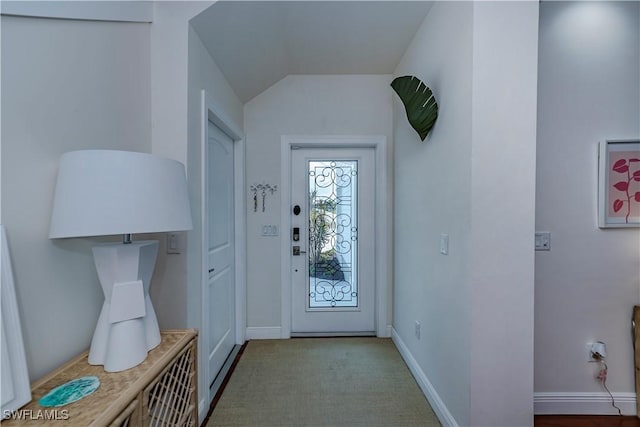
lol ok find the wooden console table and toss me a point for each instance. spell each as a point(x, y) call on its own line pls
point(161, 391)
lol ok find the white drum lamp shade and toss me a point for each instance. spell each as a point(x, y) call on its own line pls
point(108, 192)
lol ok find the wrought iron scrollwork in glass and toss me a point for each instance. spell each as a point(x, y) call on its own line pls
point(333, 233)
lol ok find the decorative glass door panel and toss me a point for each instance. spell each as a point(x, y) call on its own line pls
point(333, 233)
point(332, 240)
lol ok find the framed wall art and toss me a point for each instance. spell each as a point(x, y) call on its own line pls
point(619, 183)
point(16, 390)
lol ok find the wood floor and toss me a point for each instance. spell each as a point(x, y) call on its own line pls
point(585, 421)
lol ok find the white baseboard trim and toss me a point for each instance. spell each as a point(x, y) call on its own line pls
point(583, 403)
point(438, 406)
point(263, 333)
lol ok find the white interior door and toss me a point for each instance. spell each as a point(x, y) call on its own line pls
point(220, 230)
point(333, 240)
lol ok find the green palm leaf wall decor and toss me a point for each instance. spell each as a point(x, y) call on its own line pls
point(419, 103)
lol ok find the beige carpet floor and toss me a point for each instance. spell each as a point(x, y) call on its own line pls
point(322, 382)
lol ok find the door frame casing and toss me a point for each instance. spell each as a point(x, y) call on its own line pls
point(211, 112)
point(379, 144)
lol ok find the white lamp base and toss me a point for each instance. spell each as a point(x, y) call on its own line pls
point(127, 327)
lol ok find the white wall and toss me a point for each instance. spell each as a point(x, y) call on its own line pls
point(169, 136)
point(203, 74)
point(169, 75)
point(180, 68)
point(432, 196)
point(71, 85)
point(66, 85)
point(128, 10)
point(505, 47)
point(586, 286)
point(474, 357)
point(298, 105)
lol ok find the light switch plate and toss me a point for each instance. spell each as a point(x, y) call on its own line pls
point(270, 230)
point(174, 244)
point(444, 244)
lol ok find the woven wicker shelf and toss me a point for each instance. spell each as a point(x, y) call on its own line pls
point(161, 391)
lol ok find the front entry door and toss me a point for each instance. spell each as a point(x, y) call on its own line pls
point(333, 240)
point(220, 288)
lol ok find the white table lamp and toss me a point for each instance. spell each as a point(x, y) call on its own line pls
point(107, 192)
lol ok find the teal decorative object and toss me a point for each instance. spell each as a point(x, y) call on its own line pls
point(70, 392)
point(419, 103)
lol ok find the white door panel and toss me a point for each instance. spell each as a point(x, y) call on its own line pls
point(220, 288)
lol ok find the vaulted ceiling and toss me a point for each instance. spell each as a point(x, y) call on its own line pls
point(257, 43)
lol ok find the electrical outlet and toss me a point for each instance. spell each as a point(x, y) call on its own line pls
point(417, 330)
point(543, 241)
point(587, 348)
point(596, 348)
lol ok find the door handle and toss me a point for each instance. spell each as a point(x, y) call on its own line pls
point(211, 270)
point(297, 251)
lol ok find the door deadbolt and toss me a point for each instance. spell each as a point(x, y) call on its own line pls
point(296, 210)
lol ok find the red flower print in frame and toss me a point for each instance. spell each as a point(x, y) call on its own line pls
point(620, 183)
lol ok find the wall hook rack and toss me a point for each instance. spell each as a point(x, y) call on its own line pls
point(261, 189)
